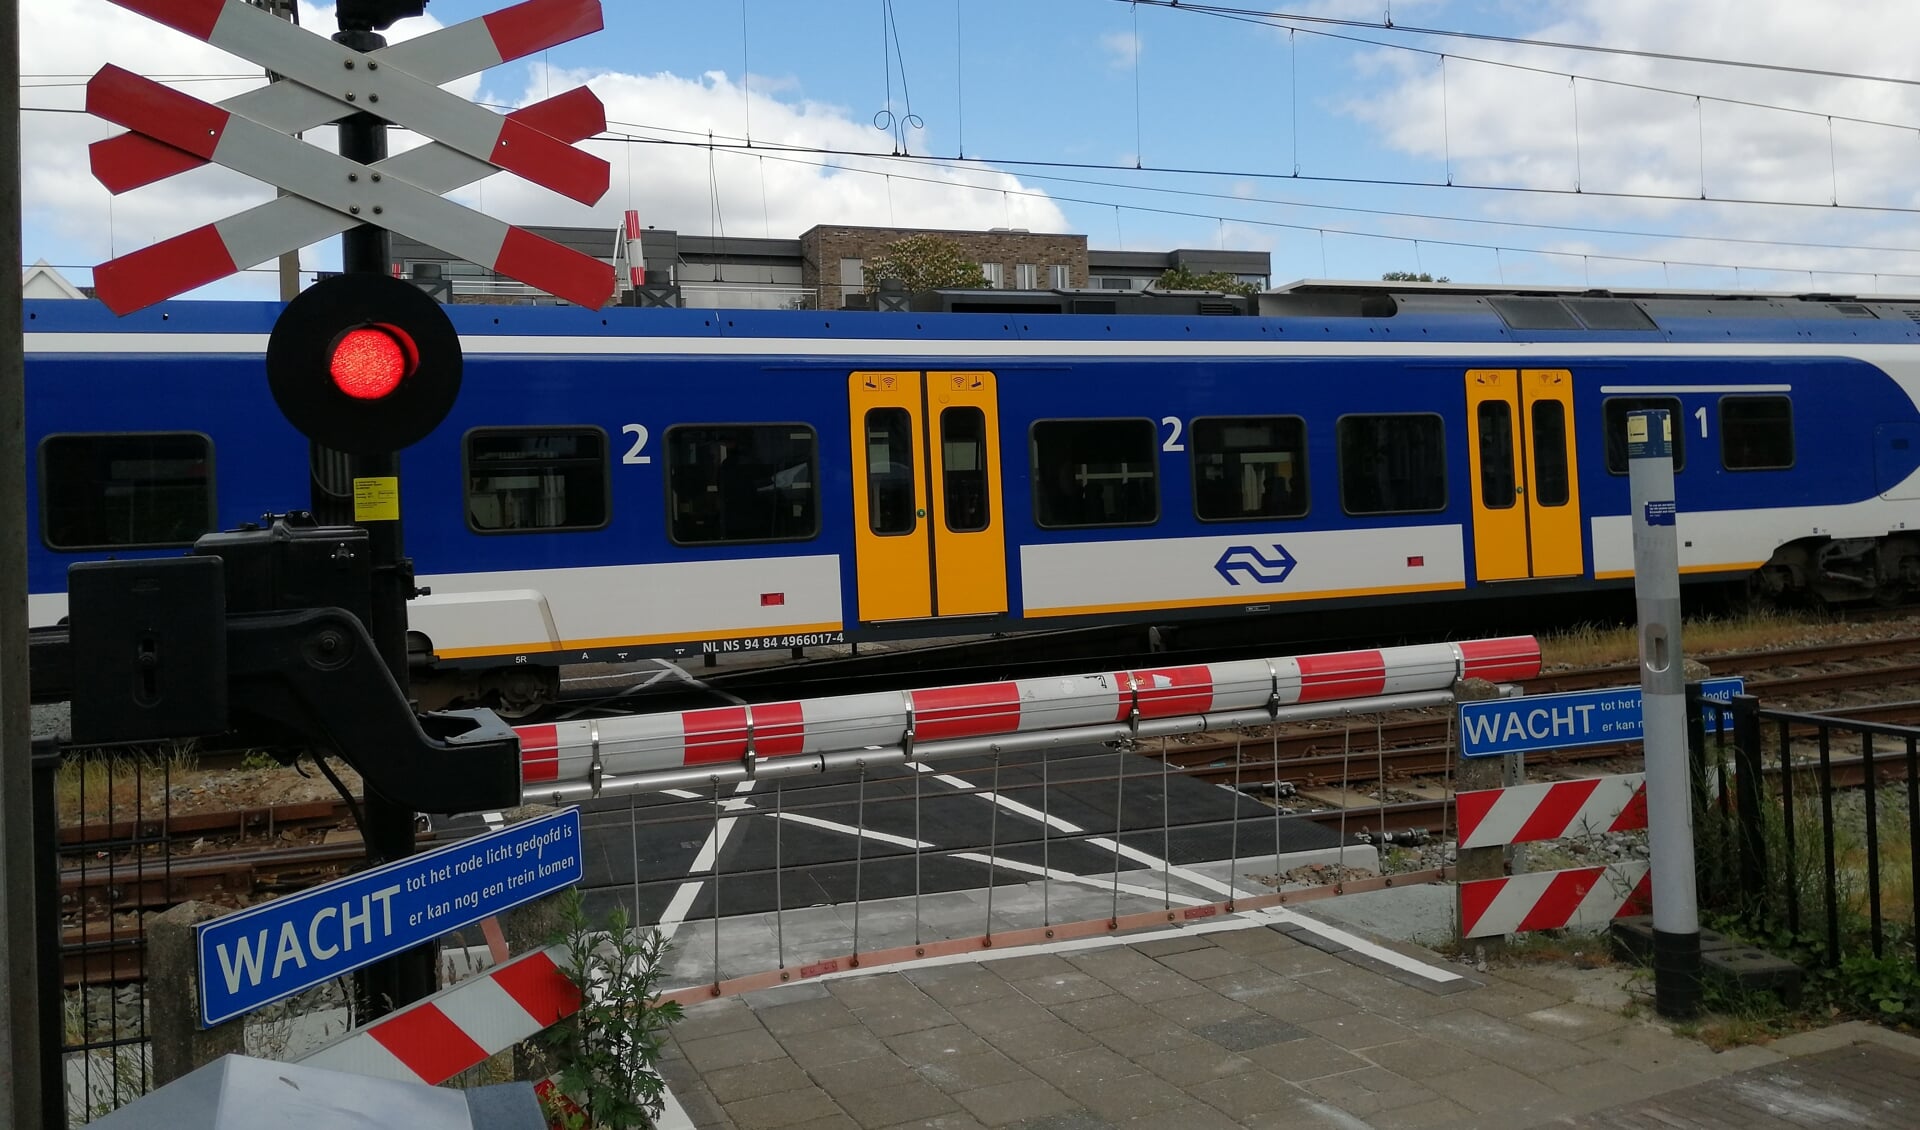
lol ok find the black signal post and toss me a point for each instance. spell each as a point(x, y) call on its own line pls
point(375, 475)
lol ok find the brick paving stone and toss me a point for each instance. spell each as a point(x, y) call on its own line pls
point(1200, 964)
point(1246, 1033)
point(931, 1045)
point(966, 1072)
point(835, 1045)
point(1135, 1040)
point(1001, 1014)
point(1248, 1093)
point(958, 985)
point(1187, 1066)
point(959, 1120)
point(1161, 947)
point(1369, 1090)
point(877, 990)
point(1299, 1060)
point(897, 1018)
point(830, 1122)
point(1508, 1000)
point(1105, 1012)
point(1157, 985)
point(1488, 1086)
point(1359, 1030)
point(1112, 960)
point(1307, 1003)
point(1013, 969)
point(1200, 1009)
point(1005, 1103)
point(1061, 988)
point(805, 1016)
point(751, 1080)
point(701, 1108)
point(1533, 1053)
point(1429, 1115)
point(1421, 1058)
point(889, 1106)
point(1076, 1119)
point(1376, 994)
point(1581, 1078)
point(1863, 1086)
point(1037, 1041)
point(1251, 941)
point(732, 1050)
point(1089, 1063)
point(784, 1108)
point(1130, 1098)
point(1298, 959)
point(853, 1075)
point(788, 994)
point(1188, 1116)
point(714, 1018)
point(1254, 982)
point(1571, 1021)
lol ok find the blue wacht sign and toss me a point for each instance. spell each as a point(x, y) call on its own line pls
point(256, 956)
point(1496, 727)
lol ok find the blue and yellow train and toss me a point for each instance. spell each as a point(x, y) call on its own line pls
point(632, 482)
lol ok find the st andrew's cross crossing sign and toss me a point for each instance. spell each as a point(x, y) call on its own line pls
point(323, 81)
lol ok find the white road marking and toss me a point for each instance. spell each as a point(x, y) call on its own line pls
point(676, 912)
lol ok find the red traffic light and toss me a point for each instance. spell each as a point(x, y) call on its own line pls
point(370, 361)
point(364, 363)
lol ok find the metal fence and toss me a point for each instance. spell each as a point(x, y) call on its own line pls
point(776, 880)
point(103, 824)
point(1816, 841)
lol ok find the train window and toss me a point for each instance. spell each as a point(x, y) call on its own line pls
point(1756, 433)
point(963, 464)
point(1392, 464)
point(1496, 454)
point(742, 482)
point(890, 474)
point(536, 480)
point(1550, 483)
point(125, 490)
point(1616, 410)
point(1095, 473)
point(1249, 467)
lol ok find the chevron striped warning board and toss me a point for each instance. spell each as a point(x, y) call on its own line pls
point(1546, 900)
point(433, 1040)
point(321, 81)
point(1531, 813)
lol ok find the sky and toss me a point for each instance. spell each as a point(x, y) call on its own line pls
point(1344, 149)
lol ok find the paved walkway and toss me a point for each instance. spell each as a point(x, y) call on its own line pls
point(1266, 1020)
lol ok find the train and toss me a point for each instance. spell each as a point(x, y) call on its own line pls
point(628, 483)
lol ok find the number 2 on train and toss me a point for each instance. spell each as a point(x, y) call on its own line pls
point(639, 434)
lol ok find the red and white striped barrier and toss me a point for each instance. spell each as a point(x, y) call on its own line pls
point(433, 1040)
point(636, 253)
point(1529, 813)
point(569, 759)
point(1548, 900)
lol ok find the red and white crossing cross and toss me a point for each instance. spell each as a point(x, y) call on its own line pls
point(174, 131)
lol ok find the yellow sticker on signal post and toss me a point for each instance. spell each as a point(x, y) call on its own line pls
point(376, 499)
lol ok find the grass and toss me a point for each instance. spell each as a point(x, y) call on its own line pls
point(118, 784)
point(1590, 645)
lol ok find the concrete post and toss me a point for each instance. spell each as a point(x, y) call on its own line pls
point(173, 1002)
point(1656, 586)
point(1472, 774)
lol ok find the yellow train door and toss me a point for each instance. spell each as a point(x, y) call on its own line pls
point(1526, 495)
point(929, 535)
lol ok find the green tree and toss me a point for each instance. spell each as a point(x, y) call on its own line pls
point(1183, 278)
point(1409, 276)
point(925, 262)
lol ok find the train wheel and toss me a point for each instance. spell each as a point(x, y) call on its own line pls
point(522, 692)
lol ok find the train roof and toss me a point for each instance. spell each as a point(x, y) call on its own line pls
point(1299, 312)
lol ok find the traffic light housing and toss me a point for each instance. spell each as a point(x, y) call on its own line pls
point(376, 15)
point(364, 363)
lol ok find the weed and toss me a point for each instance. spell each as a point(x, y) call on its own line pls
point(606, 1052)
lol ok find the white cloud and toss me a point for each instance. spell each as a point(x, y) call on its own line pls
point(1123, 48)
point(70, 219)
point(1494, 125)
